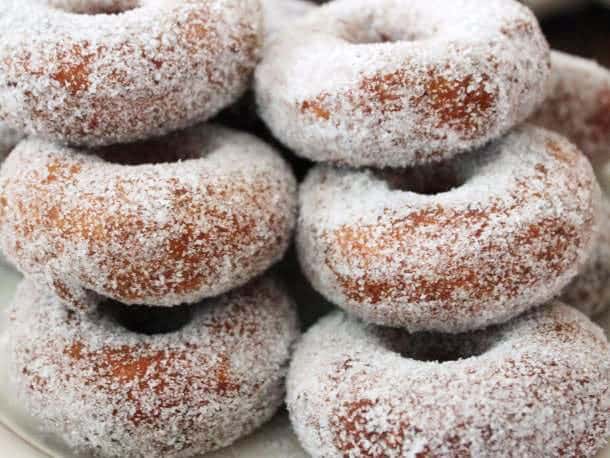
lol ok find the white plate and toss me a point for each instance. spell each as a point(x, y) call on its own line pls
point(19, 437)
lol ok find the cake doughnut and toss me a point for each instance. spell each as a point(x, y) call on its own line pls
point(535, 386)
point(578, 105)
point(217, 209)
point(111, 391)
point(397, 83)
point(590, 290)
point(8, 139)
point(499, 231)
point(72, 72)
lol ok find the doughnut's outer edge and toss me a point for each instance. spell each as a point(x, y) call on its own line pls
point(578, 105)
point(589, 291)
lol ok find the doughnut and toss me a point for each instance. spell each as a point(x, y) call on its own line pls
point(8, 139)
point(578, 105)
point(535, 386)
point(466, 244)
point(590, 290)
point(108, 390)
point(72, 72)
point(280, 13)
point(164, 222)
point(398, 83)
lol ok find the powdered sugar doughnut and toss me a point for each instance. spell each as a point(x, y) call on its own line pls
point(590, 290)
point(398, 83)
point(8, 139)
point(579, 105)
point(112, 392)
point(280, 13)
point(513, 225)
point(158, 234)
point(74, 76)
point(536, 386)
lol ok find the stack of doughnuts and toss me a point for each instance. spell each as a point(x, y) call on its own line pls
point(146, 325)
point(578, 106)
point(444, 224)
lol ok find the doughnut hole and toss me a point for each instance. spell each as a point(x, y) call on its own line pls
point(427, 180)
point(95, 7)
point(171, 148)
point(435, 347)
point(380, 26)
point(143, 319)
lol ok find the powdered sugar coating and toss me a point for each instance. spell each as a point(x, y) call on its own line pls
point(158, 234)
point(539, 388)
point(590, 290)
point(8, 139)
point(512, 236)
point(578, 105)
point(111, 392)
point(397, 83)
point(280, 13)
point(113, 78)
